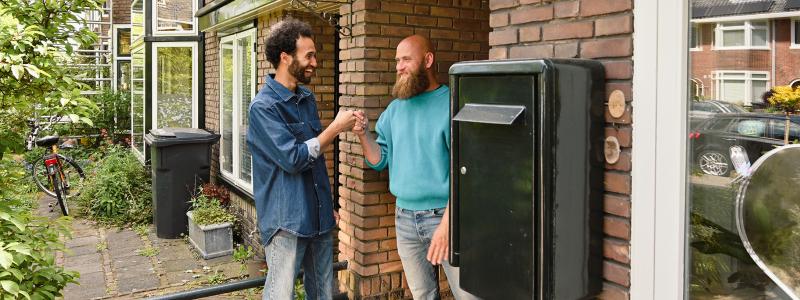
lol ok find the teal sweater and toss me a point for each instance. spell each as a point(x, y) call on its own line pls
point(414, 137)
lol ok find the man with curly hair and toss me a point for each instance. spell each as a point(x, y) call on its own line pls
point(290, 180)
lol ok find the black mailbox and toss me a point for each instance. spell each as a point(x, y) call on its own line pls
point(527, 178)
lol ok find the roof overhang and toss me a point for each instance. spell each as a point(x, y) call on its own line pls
point(224, 13)
point(764, 16)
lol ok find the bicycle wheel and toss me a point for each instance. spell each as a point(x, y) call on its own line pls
point(58, 187)
point(73, 173)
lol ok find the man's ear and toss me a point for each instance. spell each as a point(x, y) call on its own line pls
point(428, 60)
point(286, 58)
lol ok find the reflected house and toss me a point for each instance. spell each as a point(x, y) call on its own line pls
point(739, 49)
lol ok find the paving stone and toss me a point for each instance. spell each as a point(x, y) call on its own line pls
point(89, 258)
point(140, 283)
point(91, 285)
point(82, 241)
point(82, 250)
point(120, 237)
point(181, 264)
point(179, 277)
point(89, 267)
point(132, 260)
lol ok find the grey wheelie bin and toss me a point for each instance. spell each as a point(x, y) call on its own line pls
point(180, 161)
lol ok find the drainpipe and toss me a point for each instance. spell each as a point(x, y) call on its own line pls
point(774, 49)
point(336, 39)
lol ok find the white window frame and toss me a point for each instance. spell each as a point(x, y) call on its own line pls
point(154, 74)
point(154, 22)
point(115, 30)
point(233, 177)
point(658, 195)
point(795, 44)
point(698, 37)
point(747, 76)
point(748, 27)
point(139, 154)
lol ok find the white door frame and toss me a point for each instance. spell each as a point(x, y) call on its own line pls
point(658, 217)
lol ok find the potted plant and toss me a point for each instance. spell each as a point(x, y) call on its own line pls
point(210, 226)
point(787, 99)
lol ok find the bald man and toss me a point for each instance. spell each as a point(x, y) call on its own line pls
point(414, 142)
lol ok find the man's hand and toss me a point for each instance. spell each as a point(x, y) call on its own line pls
point(344, 120)
point(362, 123)
point(440, 242)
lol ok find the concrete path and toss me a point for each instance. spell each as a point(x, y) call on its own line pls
point(122, 264)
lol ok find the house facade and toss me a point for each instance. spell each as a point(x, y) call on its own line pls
point(739, 55)
point(643, 45)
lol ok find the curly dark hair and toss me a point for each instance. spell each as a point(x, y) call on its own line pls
point(283, 37)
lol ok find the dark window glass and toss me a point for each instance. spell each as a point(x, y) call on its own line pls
point(124, 42)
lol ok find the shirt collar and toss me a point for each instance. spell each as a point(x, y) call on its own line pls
point(284, 93)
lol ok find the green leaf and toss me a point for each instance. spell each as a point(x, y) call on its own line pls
point(10, 286)
point(24, 293)
point(75, 118)
point(17, 70)
point(20, 248)
point(6, 259)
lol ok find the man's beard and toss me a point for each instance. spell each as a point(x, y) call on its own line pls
point(409, 86)
point(299, 72)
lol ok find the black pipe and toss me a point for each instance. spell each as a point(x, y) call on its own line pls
point(336, 71)
point(235, 286)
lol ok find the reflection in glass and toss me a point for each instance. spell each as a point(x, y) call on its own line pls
point(124, 75)
point(227, 107)
point(245, 47)
point(770, 216)
point(174, 87)
point(137, 20)
point(137, 100)
point(124, 42)
point(175, 15)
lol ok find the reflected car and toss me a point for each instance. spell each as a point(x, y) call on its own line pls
point(700, 111)
point(756, 133)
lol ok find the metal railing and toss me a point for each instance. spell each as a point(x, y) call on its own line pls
point(236, 286)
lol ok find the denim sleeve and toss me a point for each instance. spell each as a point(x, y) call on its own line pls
point(271, 134)
point(384, 130)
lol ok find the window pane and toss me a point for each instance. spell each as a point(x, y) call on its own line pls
point(733, 91)
point(694, 40)
point(124, 42)
point(733, 38)
point(227, 107)
point(174, 94)
point(758, 88)
point(123, 75)
point(796, 25)
point(245, 47)
point(137, 99)
point(175, 15)
point(759, 37)
point(137, 19)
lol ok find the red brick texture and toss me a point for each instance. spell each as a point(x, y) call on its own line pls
point(459, 30)
point(591, 29)
point(121, 11)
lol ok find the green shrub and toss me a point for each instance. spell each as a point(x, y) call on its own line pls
point(117, 190)
point(207, 210)
point(28, 243)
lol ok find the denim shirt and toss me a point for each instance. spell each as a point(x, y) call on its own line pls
point(291, 187)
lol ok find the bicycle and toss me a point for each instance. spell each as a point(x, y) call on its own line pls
point(54, 174)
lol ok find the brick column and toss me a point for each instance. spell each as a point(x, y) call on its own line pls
point(459, 31)
point(592, 29)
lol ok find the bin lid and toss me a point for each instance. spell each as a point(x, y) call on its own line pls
point(168, 136)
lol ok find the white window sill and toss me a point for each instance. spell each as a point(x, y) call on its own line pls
point(740, 48)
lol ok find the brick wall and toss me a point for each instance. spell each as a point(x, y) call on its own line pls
point(121, 11)
point(592, 29)
point(321, 84)
point(459, 31)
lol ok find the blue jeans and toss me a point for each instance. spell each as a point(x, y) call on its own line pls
point(285, 253)
point(414, 232)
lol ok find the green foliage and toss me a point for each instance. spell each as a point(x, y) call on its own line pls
point(118, 191)
point(141, 229)
point(206, 210)
point(148, 251)
point(114, 113)
point(38, 40)
point(28, 243)
point(241, 255)
point(299, 290)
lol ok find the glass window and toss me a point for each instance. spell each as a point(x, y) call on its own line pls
point(237, 83)
point(124, 42)
point(741, 87)
point(137, 100)
point(174, 87)
point(137, 20)
point(174, 16)
point(124, 75)
point(742, 35)
point(694, 38)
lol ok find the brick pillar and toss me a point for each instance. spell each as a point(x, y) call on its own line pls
point(592, 29)
point(459, 31)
